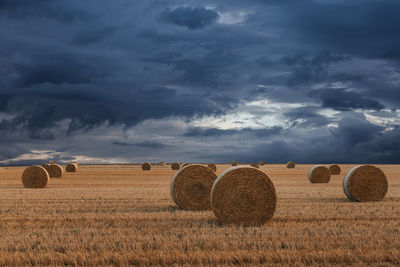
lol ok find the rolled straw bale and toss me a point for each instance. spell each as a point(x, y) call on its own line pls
point(46, 166)
point(175, 166)
point(185, 164)
point(262, 162)
point(55, 171)
point(243, 195)
point(319, 174)
point(365, 183)
point(212, 166)
point(255, 165)
point(290, 165)
point(53, 162)
point(334, 169)
point(191, 187)
point(162, 163)
point(146, 166)
point(234, 163)
point(35, 177)
point(72, 167)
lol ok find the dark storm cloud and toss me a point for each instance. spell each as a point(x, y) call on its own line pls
point(212, 132)
point(191, 17)
point(146, 144)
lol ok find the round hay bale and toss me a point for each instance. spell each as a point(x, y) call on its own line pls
point(334, 169)
point(46, 166)
point(185, 164)
point(212, 166)
point(191, 187)
point(290, 165)
point(234, 163)
point(255, 165)
point(365, 183)
point(162, 163)
point(175, 166)
point(53, 162)
point(72, 167)
point(244, 196)
point(319, 174)
point(55, 171)
point(35, 177)
point(262, 162)
point(146, 166)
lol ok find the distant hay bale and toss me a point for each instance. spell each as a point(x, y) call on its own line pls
point(162, 163)
point(255, 165)
point(291, 165)
point(365, 183)
point(72, 167)
point(262, 162)
point(175, 166)
point(55, 171)
point(146, 166)
point(212, 166)
point(234, 163)
point(185, 164)
point(244, 196)
point(76, 163)
point(319, 174)
point(334, 169)
point(191, 187)
point(53, 162)
point(35, 177)
point(46, 166)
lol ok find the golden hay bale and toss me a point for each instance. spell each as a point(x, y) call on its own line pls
point(175, 166)
point(146, 166)
point(162, 163)
point(72, 167)
point(244, 196)
point(53, 162)
point(55, 171)
point(46, 166)
point(334, 169)
point(319, 174)
point(255, 165)
point(262, 162)
point(185, 164)
point(76, 163)
point(212, 166)
point(234, 163)
point(191, 187)
point(290, 165)
point(35, 177)
point(365, 183)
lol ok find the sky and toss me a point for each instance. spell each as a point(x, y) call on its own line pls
point(127, 81)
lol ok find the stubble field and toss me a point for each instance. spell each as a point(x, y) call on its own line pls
point(121, 215)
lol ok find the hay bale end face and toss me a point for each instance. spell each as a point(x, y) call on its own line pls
point(234, 163)
point(212, 166)
point(290, 165)
point(243, 196)
point(334, 169)
point(146, 166)
point(72, 167)
point(262, 162)
point(35, 177)
point(255, 165)
point(365, 183)
point(55, 171)
point(191, 187)
point(175, 166)
point(319, 174)
point(46, 166)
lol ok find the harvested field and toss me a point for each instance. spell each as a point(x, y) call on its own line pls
point(120, 215)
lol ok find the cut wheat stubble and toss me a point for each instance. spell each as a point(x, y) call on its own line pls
point(55, 171)
point(35, 177)
point(334, 169)
point(319, 174)
point(365, 183)
point(243, 196)
point(191, 187)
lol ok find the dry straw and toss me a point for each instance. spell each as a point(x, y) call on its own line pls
point(262, 162)
point(53, 162)
point(185, 164)
point(55, 171)
point(291, 165)
point(212, 166)
point(234, 163)
point(244, 196)
point(191, 187)
point(46, 166)
point(319, 174)
point(334, 169)
point(35, 177)
point(255, 165)
point(72, 167)
point(175, 166)
point(162, 163)
point(146, 166)
point(365, 183)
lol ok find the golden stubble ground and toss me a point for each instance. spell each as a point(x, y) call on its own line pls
point(121, 215)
